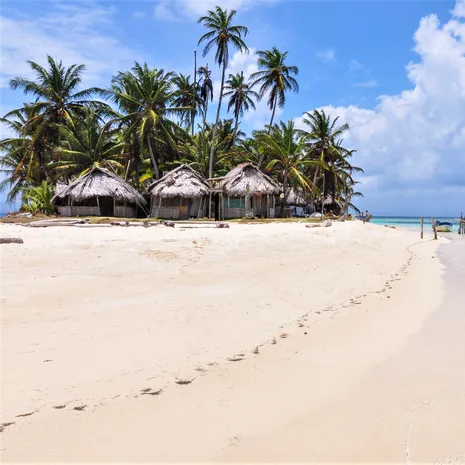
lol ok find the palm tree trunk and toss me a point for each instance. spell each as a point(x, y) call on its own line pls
point(235, 131)
point(212, 150)
point(286, 195)
point(194, 90)
point(274, 111)
point(152, 156)
point(260, 160)
point(205, 115)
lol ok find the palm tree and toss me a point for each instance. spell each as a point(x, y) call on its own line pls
point(206, 89)
point(322, 144)
point(222, 34)
point(88, 143)
point(288, 158)
point(39, 198)
point(240, 95)
point(196, 151)
point(187, 95)
point(145, 96)
point(274, 78)
point(57, 100)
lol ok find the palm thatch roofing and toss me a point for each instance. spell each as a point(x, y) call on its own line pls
point(183, 181)
point(99, 182)
point(329, 200)
point(297, 196)
point(247, 179)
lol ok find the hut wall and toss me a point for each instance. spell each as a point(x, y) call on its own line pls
point(195, 205)
point(78, 210)
point(125, 211)
point(85, 211)
point(177, 208)
point(64, 210)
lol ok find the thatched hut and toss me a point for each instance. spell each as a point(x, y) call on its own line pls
point(246, 191)
point(297, 202)
point(98, 193)
point(180, 194)
point(330, 205)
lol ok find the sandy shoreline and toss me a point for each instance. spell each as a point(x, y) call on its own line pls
point(120, 311)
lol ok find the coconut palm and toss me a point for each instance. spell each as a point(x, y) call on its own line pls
point(222, 34)
point(241, 97)
point(288, 160)
point(57, 100)
point(144, 96)
point(275, 78)
point(19, 162)
point(206, 89)
point(321, 136)
point(186, 95)
point(86, 143)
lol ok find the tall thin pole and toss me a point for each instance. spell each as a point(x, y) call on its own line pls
point(194, 91)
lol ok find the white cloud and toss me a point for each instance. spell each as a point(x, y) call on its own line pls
point(459, 10)
point(77, 34)
point(370, 83)
point(175, 9)
point(414, 142)
point(355, 65)
point(326, 55)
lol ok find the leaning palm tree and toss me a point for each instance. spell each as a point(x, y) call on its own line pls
point(206, 89)
point(144, 96)
point(57, 100)
point(274, 78)
point(241, 97)
point(288, 161)
point(222, 34)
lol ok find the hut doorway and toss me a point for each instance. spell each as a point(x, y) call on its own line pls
point(107, 206)
point(216, 200)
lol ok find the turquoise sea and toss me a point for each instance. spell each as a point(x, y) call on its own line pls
point(411, 222)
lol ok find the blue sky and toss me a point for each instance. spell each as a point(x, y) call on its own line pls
point(395, 71)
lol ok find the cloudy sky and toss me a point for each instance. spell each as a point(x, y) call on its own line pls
point(395, 71)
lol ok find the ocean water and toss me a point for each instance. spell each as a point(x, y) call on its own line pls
point(412, 222)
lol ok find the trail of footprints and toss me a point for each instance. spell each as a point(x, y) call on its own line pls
point(301, 323)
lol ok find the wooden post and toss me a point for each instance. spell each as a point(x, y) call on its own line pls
point(434, 229)
point(210, 205)
point(421, 222)
point(98, 206)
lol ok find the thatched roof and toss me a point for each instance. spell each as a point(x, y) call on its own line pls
point(99, 182)
point(180, 182)
point(59, 186)
point(329, 201)
point(247, 179)
point(297, 196)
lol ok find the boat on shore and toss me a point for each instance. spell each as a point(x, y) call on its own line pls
point(443, 226)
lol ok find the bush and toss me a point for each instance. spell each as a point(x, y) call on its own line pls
point(39, 199)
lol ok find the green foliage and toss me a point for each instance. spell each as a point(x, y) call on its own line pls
point(39, 199)
point(149, 127)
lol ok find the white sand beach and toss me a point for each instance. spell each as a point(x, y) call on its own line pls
point(293, 344)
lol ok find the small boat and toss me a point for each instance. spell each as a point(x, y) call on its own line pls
point(443, 226)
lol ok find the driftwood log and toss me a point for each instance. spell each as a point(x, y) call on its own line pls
point(58, 222)
point(11, 240)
